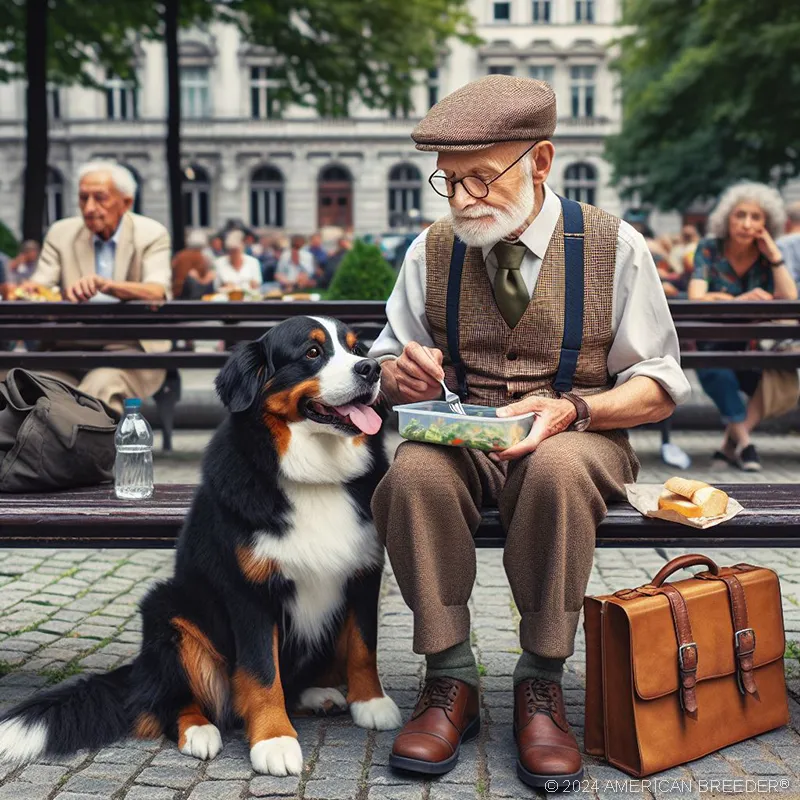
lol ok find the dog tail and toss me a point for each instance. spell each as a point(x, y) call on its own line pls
point(90, 713)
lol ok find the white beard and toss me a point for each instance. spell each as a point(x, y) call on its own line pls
point(480, 232)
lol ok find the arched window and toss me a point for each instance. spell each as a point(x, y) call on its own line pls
point(405, 195)
point(580, 183)
point(196, 191)
point(137, 200)
point(54, 197)
point(335, 206)
point(266, 197)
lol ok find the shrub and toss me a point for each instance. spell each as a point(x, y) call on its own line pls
point(364, 274)
point(8, 243)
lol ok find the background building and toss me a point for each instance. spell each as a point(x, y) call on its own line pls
point(247, 159)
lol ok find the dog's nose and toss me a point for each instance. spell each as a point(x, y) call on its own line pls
point(368, 369)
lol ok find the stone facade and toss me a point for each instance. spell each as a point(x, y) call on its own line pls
point(364, 163)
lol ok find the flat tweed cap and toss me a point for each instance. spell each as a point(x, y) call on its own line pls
point(497, 108)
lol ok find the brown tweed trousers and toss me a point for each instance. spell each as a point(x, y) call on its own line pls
point(427, 507)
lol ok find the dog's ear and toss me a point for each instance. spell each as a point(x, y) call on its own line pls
point(242, 376)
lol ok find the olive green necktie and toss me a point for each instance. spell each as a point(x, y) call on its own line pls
point(510, 292)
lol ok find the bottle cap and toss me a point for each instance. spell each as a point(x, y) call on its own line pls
point(133, 402)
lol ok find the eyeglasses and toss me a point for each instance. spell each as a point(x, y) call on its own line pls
point(474, 186)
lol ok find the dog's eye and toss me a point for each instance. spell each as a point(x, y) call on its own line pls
point(313, 352)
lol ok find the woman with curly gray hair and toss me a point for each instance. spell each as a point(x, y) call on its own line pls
point(740, 261)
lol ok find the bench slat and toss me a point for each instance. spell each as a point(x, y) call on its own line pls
point(94, 517)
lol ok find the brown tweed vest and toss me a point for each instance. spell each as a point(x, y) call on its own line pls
point(505, 364)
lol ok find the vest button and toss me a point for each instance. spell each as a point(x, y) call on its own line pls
point(511, 355)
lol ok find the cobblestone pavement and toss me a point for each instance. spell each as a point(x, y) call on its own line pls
point(64, 612)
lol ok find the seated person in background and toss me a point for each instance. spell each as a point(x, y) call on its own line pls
point(740, 261)
point(789, 243)
point(270, 253)
point(296, 267)
point(216, 246)
point(320, 255)
point(21, 268)
point(108, 253)
point(237, 270)
point(192, 276)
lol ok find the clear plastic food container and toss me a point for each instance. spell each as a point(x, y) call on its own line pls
point(481, 429)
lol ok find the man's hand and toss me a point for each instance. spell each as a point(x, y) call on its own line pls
point(87, 287)
point(755, 294)
point(305, 282)
point(552, 417)
point(418, 371)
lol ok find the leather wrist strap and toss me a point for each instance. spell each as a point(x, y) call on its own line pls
point(581, 407)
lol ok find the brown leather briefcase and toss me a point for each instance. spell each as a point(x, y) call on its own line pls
point(677, 670)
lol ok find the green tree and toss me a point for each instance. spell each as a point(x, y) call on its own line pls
point(364, 274)
point(709, 94)
point(326, 52)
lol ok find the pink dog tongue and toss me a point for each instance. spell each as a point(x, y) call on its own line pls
point(365, 418)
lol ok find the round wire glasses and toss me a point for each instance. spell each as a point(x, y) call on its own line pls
point(473, 185)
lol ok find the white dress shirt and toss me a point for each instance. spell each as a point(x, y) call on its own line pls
point(288, 269)
point(105, 254)
point(645, 341)
point(228, 275)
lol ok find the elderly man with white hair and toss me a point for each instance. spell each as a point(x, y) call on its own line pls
point(522, 301)
point(108, 253)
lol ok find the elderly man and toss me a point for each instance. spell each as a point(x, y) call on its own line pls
point(526, 302)
point(108, 254)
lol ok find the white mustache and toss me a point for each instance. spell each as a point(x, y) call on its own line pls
point(467, 214)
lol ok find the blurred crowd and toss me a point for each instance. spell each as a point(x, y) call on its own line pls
point(236, 260)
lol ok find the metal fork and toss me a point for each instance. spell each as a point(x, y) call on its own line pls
point(453, 400)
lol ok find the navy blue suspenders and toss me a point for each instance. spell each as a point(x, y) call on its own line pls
point(573, 301)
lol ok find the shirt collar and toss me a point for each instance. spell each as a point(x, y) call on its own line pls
point(536, 237)
point(113, 238)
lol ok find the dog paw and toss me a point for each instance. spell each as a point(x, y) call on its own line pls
point(202, 741)
point(380, 714)
point(322, 700)
point(279, 756)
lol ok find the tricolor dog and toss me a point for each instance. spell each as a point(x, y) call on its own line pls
point(274, 600)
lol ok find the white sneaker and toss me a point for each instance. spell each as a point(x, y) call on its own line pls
point(673, 455)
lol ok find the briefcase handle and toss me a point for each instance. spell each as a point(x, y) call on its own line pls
point(681, 562)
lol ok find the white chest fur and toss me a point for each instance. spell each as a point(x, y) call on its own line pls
point(325, 545)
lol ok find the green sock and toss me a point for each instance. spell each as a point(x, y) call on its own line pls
point(456, 662)
point(532, 666)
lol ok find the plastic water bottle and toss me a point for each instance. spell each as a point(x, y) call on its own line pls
point(133, 468)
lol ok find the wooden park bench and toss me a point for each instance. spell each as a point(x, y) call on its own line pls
point(233, 322)
point(95, 518)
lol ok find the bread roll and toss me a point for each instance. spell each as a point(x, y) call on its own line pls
point(712, 501)
point(674, 502)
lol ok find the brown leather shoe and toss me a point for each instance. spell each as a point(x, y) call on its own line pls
point(447, 713)
point(547, 748)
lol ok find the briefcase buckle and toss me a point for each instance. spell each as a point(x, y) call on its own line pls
point(680, 656)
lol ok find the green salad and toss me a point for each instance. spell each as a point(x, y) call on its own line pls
point(464, 434)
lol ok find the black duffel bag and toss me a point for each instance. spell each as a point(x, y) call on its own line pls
point(52, 436)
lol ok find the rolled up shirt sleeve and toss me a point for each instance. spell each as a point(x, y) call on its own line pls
point(405, 308)
point(645, 340)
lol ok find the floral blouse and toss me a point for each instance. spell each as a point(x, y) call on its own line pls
point(711, 265)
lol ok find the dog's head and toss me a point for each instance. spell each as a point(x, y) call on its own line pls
point(308, 370)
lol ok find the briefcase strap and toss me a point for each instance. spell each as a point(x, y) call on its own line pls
point(744, 637)
point(687, 649)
